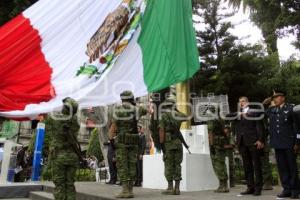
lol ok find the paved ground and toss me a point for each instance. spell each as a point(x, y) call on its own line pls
point(107, 191)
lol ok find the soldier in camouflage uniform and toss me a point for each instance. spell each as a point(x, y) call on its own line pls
point(267, 169)
point(230, 155)
point(124, 130)
point(64, 149)
point(219, 144)
point(170, 120)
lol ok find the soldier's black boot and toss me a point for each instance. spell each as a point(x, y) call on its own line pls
point(177, 188)
point(169, 190)
point(125, 191)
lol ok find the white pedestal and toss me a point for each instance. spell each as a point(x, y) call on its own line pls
point(197, 170)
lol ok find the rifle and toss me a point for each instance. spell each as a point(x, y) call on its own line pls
point(179, 135)
point(181, 138)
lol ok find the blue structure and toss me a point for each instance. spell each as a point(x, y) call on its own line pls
point(38, 149)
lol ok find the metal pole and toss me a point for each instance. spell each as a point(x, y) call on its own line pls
point(38, 150)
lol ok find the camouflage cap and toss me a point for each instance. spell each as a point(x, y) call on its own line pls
point(126, 95)
point(171, 100)
point(69, 102)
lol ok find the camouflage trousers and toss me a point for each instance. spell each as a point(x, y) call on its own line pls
point(266, 166)
point(173, 159)
point(64, 170)
point(219, 165)
point(229, 154)
point(126, 161)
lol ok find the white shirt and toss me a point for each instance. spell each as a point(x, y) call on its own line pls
point(245, 110)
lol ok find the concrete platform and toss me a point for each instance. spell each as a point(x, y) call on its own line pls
point(18, 190)
point(99, 191)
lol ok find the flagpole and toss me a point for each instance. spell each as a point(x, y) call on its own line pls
point(183, 102)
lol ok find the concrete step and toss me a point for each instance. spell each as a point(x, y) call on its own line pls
point(41, 196)
point(80, 195)
point(18, 190)
point(17, 199)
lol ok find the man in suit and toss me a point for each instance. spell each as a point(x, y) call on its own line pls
point(141, 151)
point(250, 141)
point(285, 139)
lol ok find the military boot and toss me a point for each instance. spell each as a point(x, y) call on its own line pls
point(177, 188)
point(131, 195)
point(169, 190)
point(223, 188)
point(125, 191)
point(268, 185)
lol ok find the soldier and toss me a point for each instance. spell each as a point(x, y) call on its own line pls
point(219, 144)
point(285, 139)
point(124, 130)
point(230, 154)
point(64, 149)
point(266, 166)
point(169, 124)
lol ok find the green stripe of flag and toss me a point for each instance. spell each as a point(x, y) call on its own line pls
point(168, 43)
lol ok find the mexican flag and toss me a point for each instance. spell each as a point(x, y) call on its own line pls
point(92, 50)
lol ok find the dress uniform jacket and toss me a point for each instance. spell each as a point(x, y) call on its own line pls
point(283, 127)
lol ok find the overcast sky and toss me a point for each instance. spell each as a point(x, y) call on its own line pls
point(244, 28)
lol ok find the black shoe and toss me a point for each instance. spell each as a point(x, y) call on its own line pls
point(257, 193)
point(138, 184)
point(284, 194)
point(248, 191)
point(295, 195)
point(111, 182)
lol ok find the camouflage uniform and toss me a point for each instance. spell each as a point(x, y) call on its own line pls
point(63, 158)
point(219, 153)
point(173, 150)
point(126, 143)
point(267, 169)
point(266, 165)
point(230, 155)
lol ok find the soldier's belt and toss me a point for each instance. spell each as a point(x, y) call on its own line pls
point(170, 136)
point(128, 139)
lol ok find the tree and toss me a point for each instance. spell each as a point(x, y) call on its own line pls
point(94, 148)
point(9, 9)
point(287, 79)
point(227, 66)
point(273, 17)
point(214, 43)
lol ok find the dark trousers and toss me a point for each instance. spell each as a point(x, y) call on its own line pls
point(139, 171)
point(112, 169)
point(252, 166)
point(287, 168)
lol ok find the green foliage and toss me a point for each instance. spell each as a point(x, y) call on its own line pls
point(286, 78)
point(45, 147)
point(85, 175)
point(46, 173)
point(94, 148)
point(239, 70)
point(273, 17)
point(82, 175)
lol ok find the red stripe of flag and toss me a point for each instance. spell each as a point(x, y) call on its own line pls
point(25, 75)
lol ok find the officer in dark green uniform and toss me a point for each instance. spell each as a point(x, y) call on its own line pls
point(64, 149)
point(170, 120)
point(219, 144)
point(124, 130)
